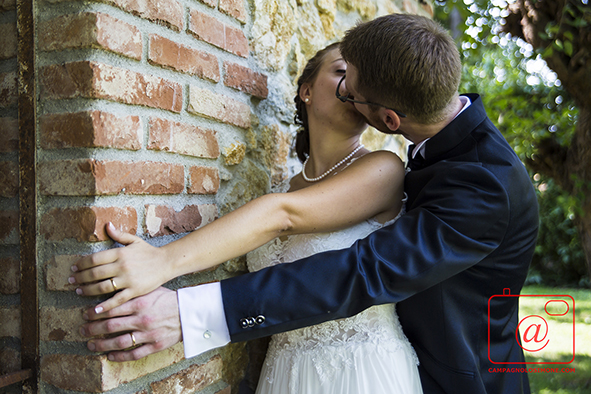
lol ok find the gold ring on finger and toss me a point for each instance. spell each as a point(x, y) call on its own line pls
point(114, 285)
point(132, 339)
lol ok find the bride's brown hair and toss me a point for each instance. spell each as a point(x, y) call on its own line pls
point(302, 142)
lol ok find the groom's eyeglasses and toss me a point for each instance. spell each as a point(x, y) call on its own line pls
point(346, 98)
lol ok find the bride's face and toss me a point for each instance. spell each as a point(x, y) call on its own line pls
point(323, 99)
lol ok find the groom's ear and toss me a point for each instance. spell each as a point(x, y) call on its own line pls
point(390, 119)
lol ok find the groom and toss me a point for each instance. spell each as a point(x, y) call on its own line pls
point(469, 231)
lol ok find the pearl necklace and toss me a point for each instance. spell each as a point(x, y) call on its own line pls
point(350, 155)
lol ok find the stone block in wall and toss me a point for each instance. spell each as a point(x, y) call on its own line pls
point(10, 316)
point(234, 153)
point(88, 79)
point(234, 8)
point(192, 379)
point(7, 40)
point(9, 229)
point(246, 80)
point(183, 138)
point(6, 5)
point(8, 89)
point(10, 279)
point(9, 135)
point(223, 108)
point(91, 30)
point(8, 178)
point(90, 129)
point(61, 324)
point(90, 177)
point(11, 360)
point(57, 272)
point(215, 32)
point(86, 224)
point(164, 220)
point(204, 180)
point(170, 54)
point(96, 374)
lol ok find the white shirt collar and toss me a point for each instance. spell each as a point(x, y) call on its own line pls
point(420, 148)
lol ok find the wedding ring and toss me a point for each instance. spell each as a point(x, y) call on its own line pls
point(114, 285)
point(132, 339)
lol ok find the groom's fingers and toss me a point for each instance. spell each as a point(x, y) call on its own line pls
point(134, 354)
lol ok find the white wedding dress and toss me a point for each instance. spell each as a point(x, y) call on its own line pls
point(364, 354)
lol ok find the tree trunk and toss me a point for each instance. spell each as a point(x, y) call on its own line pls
point(549, 24)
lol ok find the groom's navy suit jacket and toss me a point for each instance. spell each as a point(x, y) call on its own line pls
point(469, 232)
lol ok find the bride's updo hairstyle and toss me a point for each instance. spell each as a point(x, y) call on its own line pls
point(302, 142)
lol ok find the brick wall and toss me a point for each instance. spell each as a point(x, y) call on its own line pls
point(160, 116)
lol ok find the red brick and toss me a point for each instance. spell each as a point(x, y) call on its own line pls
point(86, 30)
point(8, 40)
point(96, 374)
point(245, 80)
point(10, 279)
point(236, 42)
point(90, 177)
point(11, 360)
point(181, 58)
point(8, 134)
point(212, 105)
point(234, 8)
point(86, 224)
point(89, 130)
point(10, 316)
point(8, 178)
point(100, 81)
point(9, 228)
point(211, 30)
point(57, 272)
point(183, 138)
point(8, 89)
point(59, 324)
point(169, 13)
point(164, 220)
point(204, 180)
point(191, 379)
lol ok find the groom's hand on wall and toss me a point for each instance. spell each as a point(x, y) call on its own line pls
point(147, 324)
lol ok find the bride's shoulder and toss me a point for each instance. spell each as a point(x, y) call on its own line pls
point(381, 159)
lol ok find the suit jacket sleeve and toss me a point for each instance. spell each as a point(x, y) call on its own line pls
point(452, 223)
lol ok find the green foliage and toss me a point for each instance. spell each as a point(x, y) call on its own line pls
point(528, 104)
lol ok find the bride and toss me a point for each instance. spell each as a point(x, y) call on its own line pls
point(343, 193)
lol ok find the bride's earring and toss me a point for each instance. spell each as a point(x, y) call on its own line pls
point(306, 100)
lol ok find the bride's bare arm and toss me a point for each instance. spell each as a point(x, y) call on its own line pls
point(370, 186)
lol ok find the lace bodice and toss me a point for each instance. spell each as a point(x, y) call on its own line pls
point(378, 325)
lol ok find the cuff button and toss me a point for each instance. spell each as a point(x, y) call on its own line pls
point(260, 319)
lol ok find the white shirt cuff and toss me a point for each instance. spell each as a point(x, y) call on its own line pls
point(203, 320)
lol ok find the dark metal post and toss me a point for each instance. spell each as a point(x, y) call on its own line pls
point(27, 95)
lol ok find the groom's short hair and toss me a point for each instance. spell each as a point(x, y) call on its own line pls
point(407, 62)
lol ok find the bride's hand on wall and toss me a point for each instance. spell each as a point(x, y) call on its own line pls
point(129, 272)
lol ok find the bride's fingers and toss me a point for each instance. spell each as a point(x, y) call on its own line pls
point(120, 236)
point(117, 300)
point(105, 286)
point(95, 259)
